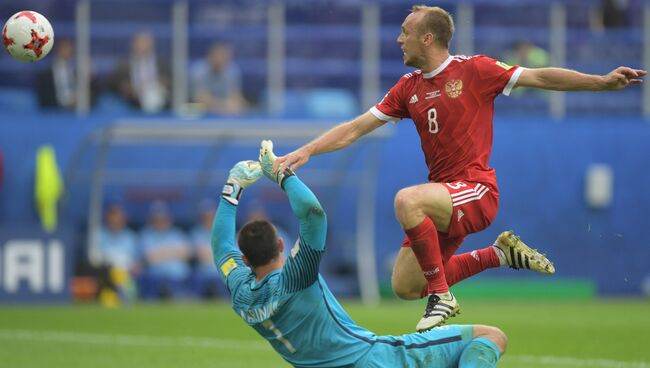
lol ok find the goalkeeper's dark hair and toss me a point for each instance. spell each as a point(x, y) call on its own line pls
point(258, 241)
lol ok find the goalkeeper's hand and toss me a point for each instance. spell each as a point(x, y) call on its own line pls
point(267, 159)
point(241, 176)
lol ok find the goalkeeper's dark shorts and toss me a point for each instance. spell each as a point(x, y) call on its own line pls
point(440, 347)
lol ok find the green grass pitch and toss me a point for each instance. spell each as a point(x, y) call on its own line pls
point(596, 333)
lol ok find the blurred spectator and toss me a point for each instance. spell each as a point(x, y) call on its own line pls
point(119, 257)
point(118, 243)
point(143, 80)
point(166, 251)
point(610, 14)
point(207, 282)
point(56, 86)
point(216, 82)
point(528, 55)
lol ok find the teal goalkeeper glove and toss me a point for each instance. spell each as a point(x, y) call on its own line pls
point(267, 158)
point(242, 175)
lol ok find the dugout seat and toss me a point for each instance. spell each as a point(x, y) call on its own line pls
point(336, 103)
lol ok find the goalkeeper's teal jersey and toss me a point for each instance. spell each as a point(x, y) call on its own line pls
point(294, 310)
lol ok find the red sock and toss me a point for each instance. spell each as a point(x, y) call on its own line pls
point(424, 242)
point(461, 266)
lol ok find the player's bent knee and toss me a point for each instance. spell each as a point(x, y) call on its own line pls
point(494, 334)
point(405, 199)
point(500, 340)
point(404, 290)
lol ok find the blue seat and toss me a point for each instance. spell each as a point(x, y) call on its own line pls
point(318, 103)
point(331, 103)
point(294, 103)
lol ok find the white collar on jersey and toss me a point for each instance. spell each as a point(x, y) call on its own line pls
point(438, 69)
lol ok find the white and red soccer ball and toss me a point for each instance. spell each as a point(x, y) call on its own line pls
point(28, 36)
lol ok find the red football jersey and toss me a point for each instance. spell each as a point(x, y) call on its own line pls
point(452, 108)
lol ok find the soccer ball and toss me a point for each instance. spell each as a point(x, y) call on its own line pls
point(27, 36)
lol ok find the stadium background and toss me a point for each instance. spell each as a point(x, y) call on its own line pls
point(307, 66)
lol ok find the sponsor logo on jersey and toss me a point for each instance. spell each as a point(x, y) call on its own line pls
point(414, 99)
point(433, 94)
point(460, 215)
point(454, 88)
point(504, 65)
point(227, 267)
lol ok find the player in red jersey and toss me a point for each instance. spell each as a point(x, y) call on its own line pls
point(451, 102)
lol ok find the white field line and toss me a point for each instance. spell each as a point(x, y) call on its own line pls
point(132, 340)
point(247, 345)
point(554, 361)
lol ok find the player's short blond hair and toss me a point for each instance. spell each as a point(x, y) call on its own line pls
point(437, 21)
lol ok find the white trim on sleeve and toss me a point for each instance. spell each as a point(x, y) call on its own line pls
point(381, 116)
point(513, 80)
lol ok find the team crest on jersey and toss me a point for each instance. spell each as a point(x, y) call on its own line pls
point(454, 88)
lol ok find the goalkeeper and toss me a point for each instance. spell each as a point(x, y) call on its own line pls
point(288, 303)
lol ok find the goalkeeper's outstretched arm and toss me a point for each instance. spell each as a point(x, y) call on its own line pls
point(301, 267)
point(227, 257)
point(304, 204)
point(308, 211)
point(223, 233)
